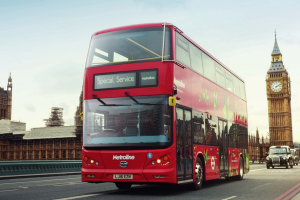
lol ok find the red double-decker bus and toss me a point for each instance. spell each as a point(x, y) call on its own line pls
point(158, 108)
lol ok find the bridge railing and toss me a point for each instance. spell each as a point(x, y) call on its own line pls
point(38, 167)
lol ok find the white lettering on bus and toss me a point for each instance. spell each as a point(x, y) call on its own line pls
point(105, 81)
point(148, 78)
point(127, 79)
point(179, 83)
point(111, 80)
point(120, 157)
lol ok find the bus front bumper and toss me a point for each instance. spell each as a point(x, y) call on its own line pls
point(167, 175)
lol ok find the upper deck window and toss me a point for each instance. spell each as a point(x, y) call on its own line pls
point(192, 57)
point(131, 45)
point(209, 67)
point(182, 50)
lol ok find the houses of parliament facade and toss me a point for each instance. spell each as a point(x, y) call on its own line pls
point(53, 142)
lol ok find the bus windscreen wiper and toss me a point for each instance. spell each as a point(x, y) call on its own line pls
point(138, 103)
point(104, 104)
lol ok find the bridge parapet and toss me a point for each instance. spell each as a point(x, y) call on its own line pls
point(38, 167)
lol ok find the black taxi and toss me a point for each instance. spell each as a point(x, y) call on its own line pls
point(279, 156)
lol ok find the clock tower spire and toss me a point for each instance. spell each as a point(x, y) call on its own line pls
point(279, 100)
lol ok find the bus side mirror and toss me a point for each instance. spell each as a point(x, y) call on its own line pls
point(172, 101)
point(81, 114)
point(267, 153)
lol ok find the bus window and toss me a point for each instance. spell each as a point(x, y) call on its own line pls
point(211, 130)
point(220, 75)
point(196, 59)
point(209, 67)
point(243, 137)
point(131, 45)
point(233, 135)
point(242, 89)
point(182, 50)
point(236, 86)
point(198, 127)
point(229, 84)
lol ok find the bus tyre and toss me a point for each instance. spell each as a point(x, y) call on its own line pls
point(287, 165)
point(123, 185)
point(199, 175)
point(241, 172)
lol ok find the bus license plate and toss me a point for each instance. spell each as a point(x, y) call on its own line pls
point(123, 176)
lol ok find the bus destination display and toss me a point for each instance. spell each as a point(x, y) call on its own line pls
point(125, 80)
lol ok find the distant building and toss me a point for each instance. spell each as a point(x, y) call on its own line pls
point(53, 142)
point(258, 146)
point(6, 100)
point(279, 101)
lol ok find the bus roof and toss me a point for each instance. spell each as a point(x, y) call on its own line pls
point(167, 24)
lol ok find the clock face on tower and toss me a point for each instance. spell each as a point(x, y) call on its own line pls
point(276, 86)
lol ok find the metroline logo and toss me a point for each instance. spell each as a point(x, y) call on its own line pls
point(120, 157)
point(179, 83)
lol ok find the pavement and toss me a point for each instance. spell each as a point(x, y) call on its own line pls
point(38, 175)
point(259, 183)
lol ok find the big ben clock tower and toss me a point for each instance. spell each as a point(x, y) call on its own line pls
point(279, 101)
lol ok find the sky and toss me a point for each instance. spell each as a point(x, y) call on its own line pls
point(44, 44)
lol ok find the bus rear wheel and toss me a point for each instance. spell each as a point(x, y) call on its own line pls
point(199, 175)
point(123, 185)
point(241, 172)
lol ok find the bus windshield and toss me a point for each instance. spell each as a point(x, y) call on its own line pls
point(131, 45)
point(129, 124)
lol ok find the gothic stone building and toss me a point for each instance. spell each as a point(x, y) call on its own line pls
point(6, 100)
point(54, 142)
point(258, 146)
point(279, 101)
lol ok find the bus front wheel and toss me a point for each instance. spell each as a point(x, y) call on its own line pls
point(123, 185)
point(199, 175)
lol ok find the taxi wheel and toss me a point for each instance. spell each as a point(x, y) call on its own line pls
point(123, 185)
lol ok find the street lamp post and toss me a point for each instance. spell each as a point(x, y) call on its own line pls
point(257, 154)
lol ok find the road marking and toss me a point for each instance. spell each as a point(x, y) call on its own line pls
point(9, 190)
point(292, 194)
point(255, 170)
point(261, 186)
point(23, 187)
point(37, 181)
point(55, 184)
point(78, 197)
point(284, 194)
point(76, 183)
point(230, 198)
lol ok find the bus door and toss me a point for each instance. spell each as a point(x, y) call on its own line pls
point(223, 147)
point(184, 144)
